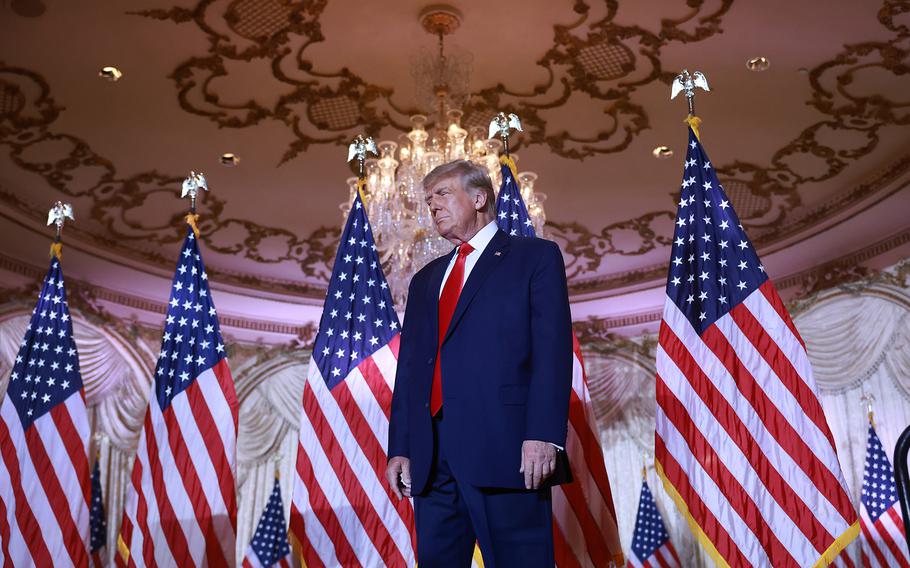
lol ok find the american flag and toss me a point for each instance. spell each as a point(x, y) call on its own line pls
point(342, 510)
point(270, 541)
point(741, 441)
point(181, 509)
point(584, 529)
point(651, 546)
point(97, 522)
point(44, 468)
point(882, 539)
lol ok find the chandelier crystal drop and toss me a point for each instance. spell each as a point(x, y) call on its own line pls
point(402, 225)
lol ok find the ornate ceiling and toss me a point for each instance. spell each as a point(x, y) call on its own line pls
point(818, 137)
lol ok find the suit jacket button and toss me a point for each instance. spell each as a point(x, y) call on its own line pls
point(426, 405)
point(429, 361)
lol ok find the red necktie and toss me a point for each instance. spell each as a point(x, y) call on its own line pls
point(447, 303)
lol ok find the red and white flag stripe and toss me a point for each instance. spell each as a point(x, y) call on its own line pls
point(742, 440)
point(342, 514)
point(45, 486)
point(584, 518)
point(663, 557)
point(882, 541)
point(181, 509)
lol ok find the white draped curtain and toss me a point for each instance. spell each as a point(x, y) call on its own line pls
point(858, 338)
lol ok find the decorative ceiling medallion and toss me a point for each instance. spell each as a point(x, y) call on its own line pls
point(440, 19)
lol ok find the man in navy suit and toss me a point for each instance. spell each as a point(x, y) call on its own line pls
point(481, 396)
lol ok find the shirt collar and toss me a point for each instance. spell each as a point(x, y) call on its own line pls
point(483, 237)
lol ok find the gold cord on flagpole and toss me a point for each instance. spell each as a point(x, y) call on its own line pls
point(694, 122)
point(358, 150)
point(191, 186)
point(191, 220)
point(361, 183)
point(58, 215)
point(276, 457)
point(507, 160)
point(869, 399)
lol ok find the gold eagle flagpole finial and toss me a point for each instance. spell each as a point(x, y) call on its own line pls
point(358, 150)
point(58, 215)
point(869, 399)
point(502, 125)
point(191, 186)
point(686, 82)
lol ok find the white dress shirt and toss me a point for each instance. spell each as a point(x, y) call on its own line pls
point(479, 241)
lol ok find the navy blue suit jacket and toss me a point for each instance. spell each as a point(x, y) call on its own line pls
point(506, 364)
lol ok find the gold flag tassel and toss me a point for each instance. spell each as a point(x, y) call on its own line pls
point(507, 160)
point(191, 186)
point(358, 150)
point(191, 220)
point(57, 216)
point(694, 122)
point(361, 183)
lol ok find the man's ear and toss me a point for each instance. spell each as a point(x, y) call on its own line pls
point(480, 200)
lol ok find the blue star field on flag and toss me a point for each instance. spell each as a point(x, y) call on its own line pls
point(650, 532)
point(359, 315)
point(713, 265)
point(97, 521)
point(879, 490)
point(270, 541)
point(46, 369)
point(192, 341)
point(511, 212)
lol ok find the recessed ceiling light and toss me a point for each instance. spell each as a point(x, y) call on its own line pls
point(110, 73)
point(229, 160)
point(662, 152)
point(758, 64)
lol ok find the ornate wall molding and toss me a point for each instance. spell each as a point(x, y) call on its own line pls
point(91, 298)
point(594, 55)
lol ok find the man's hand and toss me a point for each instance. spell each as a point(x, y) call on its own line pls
point(538, 462)
point(398, 474)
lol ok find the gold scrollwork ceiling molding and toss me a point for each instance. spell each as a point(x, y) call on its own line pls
point(27, 114)
point(25, 102)
point(599, 59)
point(849, 270)
point(846, 274)
point(322, 246)
point(585, 251)
point(767, 197)
point(90, 299)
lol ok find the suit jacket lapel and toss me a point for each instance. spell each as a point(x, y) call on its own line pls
point(496, 249)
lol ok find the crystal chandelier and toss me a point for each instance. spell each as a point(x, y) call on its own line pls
point(402, 226)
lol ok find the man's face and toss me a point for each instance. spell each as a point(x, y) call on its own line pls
point(454, 210)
